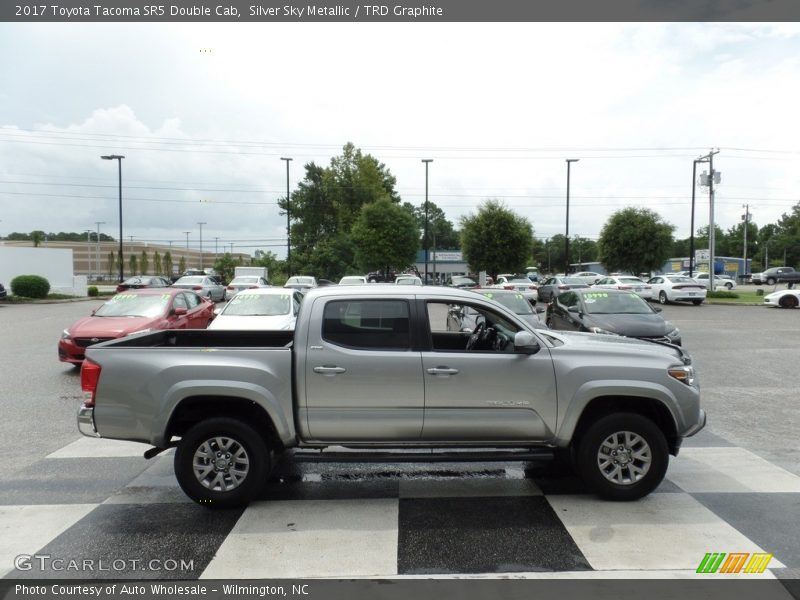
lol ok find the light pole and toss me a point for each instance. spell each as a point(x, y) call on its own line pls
point(201, 223)
point(288, 222)
point(118, 158)
point(566, 234)
point(709, 158)
point(746, 217)
point(216, 248)
point(187, 240)
point(97, 248)
point(427, 161)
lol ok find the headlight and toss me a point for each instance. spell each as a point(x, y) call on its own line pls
point(65, 335)
point(600, 330)
point(683, 374)
point(674, 333)
point(148, 330)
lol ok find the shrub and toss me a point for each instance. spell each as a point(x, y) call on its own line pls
point(722, 294)
point(30, 286)
point(93, 291)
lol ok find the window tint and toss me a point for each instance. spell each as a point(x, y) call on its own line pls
point(192, 300)
point(367, 324)
point(179, 302)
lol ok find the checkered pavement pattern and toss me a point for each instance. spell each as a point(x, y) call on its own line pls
point(100, 500)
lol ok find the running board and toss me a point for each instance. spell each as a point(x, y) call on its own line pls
point(418, 456)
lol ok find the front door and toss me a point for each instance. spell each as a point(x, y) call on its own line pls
point(489, 392)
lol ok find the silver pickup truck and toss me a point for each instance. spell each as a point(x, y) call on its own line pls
point(380, 367)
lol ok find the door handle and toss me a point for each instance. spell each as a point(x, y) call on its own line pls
point(442, 371)
point(329, 370)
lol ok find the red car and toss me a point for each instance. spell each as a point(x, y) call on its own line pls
point(135, 311)
point(143, 281)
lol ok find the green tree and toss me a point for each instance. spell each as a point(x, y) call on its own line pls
point(635, 240)
point(37, 237)
point(583, 250)
point(325, 205)
point(157, 267)
point(182, 264)
point(384, 236)
point(225, 265)
point(439, 228)
point(276, 269)
point(144, 263)
point(166, 264)
point(496, 239)
point(133, 263)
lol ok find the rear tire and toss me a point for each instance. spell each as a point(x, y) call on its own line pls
point(771, 281)
point(697, 302)
point(729, 286)
point(222, 463)
point(662, 297)
point(622, 456)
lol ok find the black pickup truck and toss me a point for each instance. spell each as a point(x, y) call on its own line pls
point(777, 275)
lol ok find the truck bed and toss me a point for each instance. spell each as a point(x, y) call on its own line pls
point(201, 338)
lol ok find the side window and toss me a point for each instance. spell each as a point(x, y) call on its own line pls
point(568, 299)
point(452, 324)
point(179, 302)
point(298, 299)
point(192, 300)
point(367, 324)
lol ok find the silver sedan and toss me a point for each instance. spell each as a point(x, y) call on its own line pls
point(203, 285)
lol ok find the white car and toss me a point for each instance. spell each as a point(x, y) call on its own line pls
point(522, 285)
point(719, 281)
point(589, 277)
point(353, 280)
point(626, 282)
point(408, 280)
point(301, 282)
point(677, 288)
point(246, 282)
point(260, 309)
point(783, 299)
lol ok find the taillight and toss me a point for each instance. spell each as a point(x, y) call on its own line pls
point(90, 374)
point(508, 287)
point(230, 287)
point(624, 287)
point(253, 287)
point(563, 287)
point(197, 287)
point(120, 288)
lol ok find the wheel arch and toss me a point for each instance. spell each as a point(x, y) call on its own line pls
point(650, 408)
point(194, 409)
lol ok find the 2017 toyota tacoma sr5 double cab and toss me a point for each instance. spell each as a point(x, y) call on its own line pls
point(373, 367)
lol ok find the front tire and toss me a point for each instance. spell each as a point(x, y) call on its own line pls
point(221, 463)
point(622, 456)
point(729, 286)
point(788, 302)
point(662, 297)
point(771, 281)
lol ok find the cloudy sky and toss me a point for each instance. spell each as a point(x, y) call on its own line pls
point(203, 113)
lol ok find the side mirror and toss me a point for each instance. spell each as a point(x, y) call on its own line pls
point(657, 308)
point(179, 312)
point(574, 309)
point(217, 310)
point(540, 310)
point(525, 343)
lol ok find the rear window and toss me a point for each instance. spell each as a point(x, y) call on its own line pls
point(367, 324)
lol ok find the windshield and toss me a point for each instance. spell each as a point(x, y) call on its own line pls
point(574, 281)
point(253, 305)
point(192, 280)
point(602, 303)
point(514, 302)
point(307, 280)
point(681, 279)
point(244, 280)
point(134, 305)
point(634, 280)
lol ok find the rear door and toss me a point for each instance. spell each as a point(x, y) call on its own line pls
point(363, 382)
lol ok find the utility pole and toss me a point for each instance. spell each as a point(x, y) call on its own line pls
point(427, 161)
point(201, 223)
point(746, 217)
point(566, 233)
point(712, 175)
point(288, 223)
point(88, 254)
